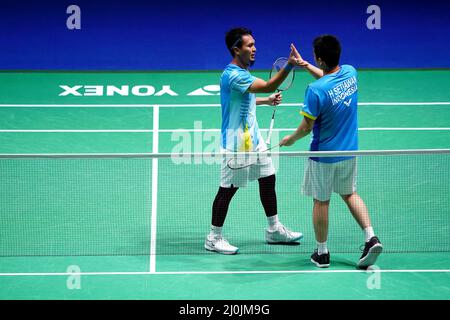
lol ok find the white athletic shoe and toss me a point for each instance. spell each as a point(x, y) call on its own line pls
point(282, 235)
point(219, 245)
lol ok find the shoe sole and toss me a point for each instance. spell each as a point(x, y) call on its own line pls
point(207, 247)
point(281, 242)
point(371, 257)
point(318, 265)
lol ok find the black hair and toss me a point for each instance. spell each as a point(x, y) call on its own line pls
point(233, 38)
point(328, 49)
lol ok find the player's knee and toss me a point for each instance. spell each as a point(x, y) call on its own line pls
point(321, 203)
point(348, 197)
point(226, 193)
point(267, 183)
point(269, 179)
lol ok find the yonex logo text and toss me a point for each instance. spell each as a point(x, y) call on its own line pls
point(109, 90)
point(137, 90)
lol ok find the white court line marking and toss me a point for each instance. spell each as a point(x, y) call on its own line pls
point(301, 104)
point(403, 129)
point(222, 272)
point(154, 191)
point(61, 105)
point(403, 103)
point(444, 103)
point(78, 130)
point(191, 130)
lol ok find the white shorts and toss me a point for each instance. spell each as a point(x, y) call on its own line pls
point(321, 179)
point(239, 178)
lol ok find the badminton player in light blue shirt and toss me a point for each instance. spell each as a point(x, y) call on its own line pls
point(240, 132)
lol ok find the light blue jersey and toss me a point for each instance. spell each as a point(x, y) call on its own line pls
point(332, 102)
point(240, 131)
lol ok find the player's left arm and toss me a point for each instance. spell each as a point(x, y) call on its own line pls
point(262, 86)
point(303, 130)
point(313, 70)
point(272, 100)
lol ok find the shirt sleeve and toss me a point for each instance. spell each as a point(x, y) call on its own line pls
point(311, 106)
point(241, 81)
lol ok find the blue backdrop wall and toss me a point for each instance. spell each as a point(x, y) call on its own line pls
point(189, 35)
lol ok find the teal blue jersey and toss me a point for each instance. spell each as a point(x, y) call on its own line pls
point(240, 131)
point(332, 102)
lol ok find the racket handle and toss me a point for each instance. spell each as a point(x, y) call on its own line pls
point(270, 131)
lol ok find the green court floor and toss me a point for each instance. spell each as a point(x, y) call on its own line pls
point(134, 228)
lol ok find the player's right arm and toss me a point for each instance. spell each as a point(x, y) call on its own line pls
point(313, 70)
point(310, 112)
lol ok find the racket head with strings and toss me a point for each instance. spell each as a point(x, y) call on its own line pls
point(243, 160)
point(279, 64)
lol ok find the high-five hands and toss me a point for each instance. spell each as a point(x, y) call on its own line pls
point(297, 58)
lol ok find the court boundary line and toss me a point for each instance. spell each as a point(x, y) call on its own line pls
point(199, 130)
point(181, 105)
point(131, 273)
point(154, 199)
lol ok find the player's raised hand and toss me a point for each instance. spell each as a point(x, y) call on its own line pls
point(298, 60)
point(292, 57)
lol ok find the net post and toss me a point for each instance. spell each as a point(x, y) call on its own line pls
point(154, 197)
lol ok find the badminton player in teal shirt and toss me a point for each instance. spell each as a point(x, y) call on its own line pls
point(240, 132)
point(330, 112)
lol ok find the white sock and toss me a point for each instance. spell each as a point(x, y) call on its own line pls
point(368, 233)
point(322, 248)
point(215, 232)
point(273, 222)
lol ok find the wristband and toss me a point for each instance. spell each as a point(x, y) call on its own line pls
point(288, 67)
